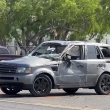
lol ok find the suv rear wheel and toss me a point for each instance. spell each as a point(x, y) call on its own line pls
point(9, 91)
point(70, 90)
point(103, 85)
point(42, 86)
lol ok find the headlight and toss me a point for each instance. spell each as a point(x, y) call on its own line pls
point(23, 70)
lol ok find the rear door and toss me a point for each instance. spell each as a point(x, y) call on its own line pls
point(95, 64)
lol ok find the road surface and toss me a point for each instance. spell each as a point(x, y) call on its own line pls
point(84, 99)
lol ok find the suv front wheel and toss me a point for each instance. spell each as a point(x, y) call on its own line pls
point(42, 86)
point(10, 91)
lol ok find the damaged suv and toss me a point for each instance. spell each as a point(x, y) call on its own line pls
point(67, 65)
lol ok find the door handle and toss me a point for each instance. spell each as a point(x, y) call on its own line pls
point(101, 65)
point(80, 66)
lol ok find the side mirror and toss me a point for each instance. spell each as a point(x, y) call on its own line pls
point(67, 58)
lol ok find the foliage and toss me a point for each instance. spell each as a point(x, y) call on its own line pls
point(28, 21)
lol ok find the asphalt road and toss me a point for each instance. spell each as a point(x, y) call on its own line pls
point(84, 99)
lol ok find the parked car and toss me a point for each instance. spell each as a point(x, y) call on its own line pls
point(5, 54)
point(67, 65)
point(4, 50)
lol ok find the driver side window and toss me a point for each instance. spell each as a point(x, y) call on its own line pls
point(74, 52)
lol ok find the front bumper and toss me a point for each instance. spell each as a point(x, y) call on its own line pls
point(23, 81)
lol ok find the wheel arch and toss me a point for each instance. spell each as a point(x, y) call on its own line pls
point(50, 76)
point(105, 72)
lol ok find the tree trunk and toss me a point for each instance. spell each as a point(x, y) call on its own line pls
point(99, 38)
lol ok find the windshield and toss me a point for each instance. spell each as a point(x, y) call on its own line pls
point(48, 50)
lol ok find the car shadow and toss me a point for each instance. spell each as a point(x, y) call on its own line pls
point(55, 94)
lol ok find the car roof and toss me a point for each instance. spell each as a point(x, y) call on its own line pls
point(76, 43)
point(59, 42)
point(3, 47)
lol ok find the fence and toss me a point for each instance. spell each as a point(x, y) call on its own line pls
point(20, 50)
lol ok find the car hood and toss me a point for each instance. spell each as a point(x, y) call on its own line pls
point(30, 61)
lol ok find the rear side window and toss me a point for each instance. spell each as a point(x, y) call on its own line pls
point(106, 52)
point(4, 51)
point(93, 52)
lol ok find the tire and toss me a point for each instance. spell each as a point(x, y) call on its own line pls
point(70, 90)
point(9, 91)
point(103, 85)
point(42, 86)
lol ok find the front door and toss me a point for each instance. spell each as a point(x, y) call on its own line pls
point(73, 73)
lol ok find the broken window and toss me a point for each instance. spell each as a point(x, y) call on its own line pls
point(74, 52)
point(106, 52)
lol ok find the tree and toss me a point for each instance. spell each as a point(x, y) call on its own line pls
point(28, 21)
point(2, 20)
point(102, 21)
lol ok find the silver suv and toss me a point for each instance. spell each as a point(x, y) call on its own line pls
point(67, 65)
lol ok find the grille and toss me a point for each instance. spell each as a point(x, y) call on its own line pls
point(6, 78)
point(7, 69)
